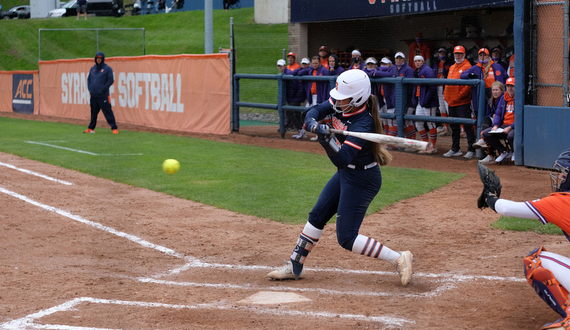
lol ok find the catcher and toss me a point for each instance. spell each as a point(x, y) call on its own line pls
point(548, 273)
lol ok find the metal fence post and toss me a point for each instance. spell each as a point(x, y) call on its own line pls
point(280, 100)
point(401, 99)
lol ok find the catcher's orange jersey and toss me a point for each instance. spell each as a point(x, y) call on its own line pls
point(554, 209)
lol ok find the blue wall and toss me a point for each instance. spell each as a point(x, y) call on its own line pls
point(546, 134)
point(218, 4)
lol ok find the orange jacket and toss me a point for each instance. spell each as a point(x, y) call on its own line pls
point(456, 95)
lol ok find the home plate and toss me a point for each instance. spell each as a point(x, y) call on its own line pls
point(272, 297)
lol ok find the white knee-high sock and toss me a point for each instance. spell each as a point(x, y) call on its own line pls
point(370, 247)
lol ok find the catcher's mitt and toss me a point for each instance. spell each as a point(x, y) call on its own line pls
point(491, 184)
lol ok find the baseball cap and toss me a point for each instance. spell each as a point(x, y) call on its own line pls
point(400, 54)
point(496, 49)
point(281, 62)
point(323, 48)
point(459, 49)
point(419, 57)
point(356, 52)
point(370, 60)
point(291, 54)
point(483, 50)
point(305, 61)
point(386, 60)
point(510, 81)
point(442, 50)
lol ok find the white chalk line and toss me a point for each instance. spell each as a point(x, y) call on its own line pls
point(28, 321)
point(77, 150)
point(110, 230)
point(36, 174)
point(448, 282)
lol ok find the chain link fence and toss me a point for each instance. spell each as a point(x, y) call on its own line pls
point(550, 53)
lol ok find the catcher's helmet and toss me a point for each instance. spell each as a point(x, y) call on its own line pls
point(560, 180)
point(354, 85)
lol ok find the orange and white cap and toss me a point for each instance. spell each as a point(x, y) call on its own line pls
point(459, 49)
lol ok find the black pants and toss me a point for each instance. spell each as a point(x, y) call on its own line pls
point(461, 111)
point(101, 103)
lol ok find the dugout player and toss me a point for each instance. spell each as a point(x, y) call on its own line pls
point(356, 182)
point(99, 81)
point(548, 273)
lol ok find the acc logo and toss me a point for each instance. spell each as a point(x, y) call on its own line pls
point(23, 93)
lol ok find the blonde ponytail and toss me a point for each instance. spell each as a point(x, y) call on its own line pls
point(381, 155)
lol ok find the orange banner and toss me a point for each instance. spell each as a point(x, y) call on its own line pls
point(182, 92)
point(19, 91)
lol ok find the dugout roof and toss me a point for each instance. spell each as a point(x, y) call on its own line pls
point(307, 11)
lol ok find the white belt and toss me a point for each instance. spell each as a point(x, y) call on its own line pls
point(361, 167)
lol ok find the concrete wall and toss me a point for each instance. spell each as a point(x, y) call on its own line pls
point(271, 11)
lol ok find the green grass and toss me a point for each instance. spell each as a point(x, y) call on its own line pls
point(276, 184)
point(258, 46)
point(518, 224)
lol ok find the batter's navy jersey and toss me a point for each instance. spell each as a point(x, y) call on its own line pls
point(355, 151)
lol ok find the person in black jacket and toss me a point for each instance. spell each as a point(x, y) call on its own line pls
point(99, 81)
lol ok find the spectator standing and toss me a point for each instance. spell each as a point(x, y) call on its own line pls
point(160, 6)
point(226, 5)
point(425, 99)
point(419, 47)
point(503, 124)
point(496, 57)
point(316, 91)
point(334, 65)
point(82, 8)
point(324, 56)
point(305, 62)
point(385, 64)
point(99, 81)
point(487, 70)
point(292, 64)
point(294, 97)
point(143, 6)
point(441, 68)
point(458, 98)
point(399, 69)
point(356, 62)
point(511, 69)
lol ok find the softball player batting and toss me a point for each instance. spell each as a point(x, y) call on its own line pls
point(355, 184)
point(548, 273)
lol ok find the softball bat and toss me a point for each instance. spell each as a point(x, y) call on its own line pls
point(386, 139)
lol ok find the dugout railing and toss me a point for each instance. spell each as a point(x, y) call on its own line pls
point(399, 82)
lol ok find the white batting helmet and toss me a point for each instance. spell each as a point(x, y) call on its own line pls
point(354, 85)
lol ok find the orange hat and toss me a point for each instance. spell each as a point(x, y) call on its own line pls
point(291, 54)
point(323, 48)
point(459, 49)
point(483, 50)
point(510, 81)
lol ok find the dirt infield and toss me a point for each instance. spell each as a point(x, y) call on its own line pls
point(101, 255)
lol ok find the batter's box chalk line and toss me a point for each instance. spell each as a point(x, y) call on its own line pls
point(28, 322)
point(36, 174)
point(447, 281)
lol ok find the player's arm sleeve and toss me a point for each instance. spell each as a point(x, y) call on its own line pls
point(110, 79)
point(319, 111)
point(515, 209)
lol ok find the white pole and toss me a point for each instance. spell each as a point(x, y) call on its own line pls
point(208, 27)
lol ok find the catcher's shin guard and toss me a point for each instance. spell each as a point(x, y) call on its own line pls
point(545, 284)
